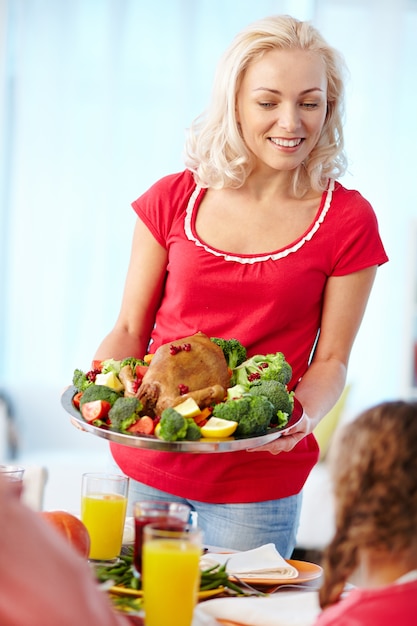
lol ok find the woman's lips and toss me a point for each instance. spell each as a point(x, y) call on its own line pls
point(286, 143)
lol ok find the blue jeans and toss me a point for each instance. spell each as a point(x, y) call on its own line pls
point(237, 526)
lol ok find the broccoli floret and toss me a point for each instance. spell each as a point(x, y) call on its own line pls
point(99, 392)
point(124, 412)
point(263, 367)
point(132, 361)
point(234, 352)
point(279, 370)
point(173, 425)
point(237, 391)
point(80, 380)
point(278, 394)
point(193, 430)
point(252, 413)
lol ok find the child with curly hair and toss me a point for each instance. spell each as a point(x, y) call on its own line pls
point(374, 471)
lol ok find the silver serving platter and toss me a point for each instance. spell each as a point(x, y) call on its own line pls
point(151, 442)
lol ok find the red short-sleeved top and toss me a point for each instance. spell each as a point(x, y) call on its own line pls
point(270, 302)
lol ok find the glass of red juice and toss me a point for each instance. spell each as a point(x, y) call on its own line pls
point(151, 512)
point(14, 476)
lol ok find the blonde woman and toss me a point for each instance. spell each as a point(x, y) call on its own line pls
point(255, 240)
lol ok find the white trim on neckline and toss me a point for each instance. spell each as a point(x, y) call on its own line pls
point(408, 577)
point(263, 257)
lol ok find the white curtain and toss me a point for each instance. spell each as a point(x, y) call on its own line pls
point(96, 96)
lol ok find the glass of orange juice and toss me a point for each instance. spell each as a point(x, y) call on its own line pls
point(154, 511)
point(171, 572)
point(103, 511)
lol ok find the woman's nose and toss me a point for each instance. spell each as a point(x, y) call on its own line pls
point(288, 117)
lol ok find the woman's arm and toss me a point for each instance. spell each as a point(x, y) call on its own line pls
point(344, 305)
point(143, 288)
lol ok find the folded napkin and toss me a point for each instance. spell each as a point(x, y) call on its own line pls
point(263, 562)
point(294, 608)
point(129, 531)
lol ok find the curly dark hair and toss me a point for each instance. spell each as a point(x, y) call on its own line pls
point(374, 471)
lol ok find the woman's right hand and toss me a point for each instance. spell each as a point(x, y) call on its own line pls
point(289, 439)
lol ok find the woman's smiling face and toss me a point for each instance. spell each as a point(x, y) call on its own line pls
point(281, 107)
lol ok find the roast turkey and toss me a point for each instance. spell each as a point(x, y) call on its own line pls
point(189, 367)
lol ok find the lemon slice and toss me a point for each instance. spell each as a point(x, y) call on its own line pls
point(188, 408)
point(109, 380)
point(217, 427)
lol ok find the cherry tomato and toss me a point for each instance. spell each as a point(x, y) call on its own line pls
point(95, 410)
point(140, 371)
point(144, 426)
point(76, 400)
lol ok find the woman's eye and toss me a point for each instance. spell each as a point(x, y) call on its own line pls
point(267, 105)
point(310, 105)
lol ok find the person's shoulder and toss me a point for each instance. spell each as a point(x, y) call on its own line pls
point(373, 606)
point(352, 205)
point(177, 182)
point(345, 194)
point(167, 198)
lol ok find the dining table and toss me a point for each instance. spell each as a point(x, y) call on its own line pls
point(296, 606)
point(263, 601)
point(285, 606)
point(290, 600)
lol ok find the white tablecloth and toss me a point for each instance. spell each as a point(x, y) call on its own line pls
point(284, 608)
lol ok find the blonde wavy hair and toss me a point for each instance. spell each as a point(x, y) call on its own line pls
point(215, 150)
point(374, 471)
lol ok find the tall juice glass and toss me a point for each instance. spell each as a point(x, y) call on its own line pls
point(103, 511)
point(171, 573)
point(14, 475)
point(154, 511)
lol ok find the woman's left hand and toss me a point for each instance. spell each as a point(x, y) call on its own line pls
point(289, 439)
